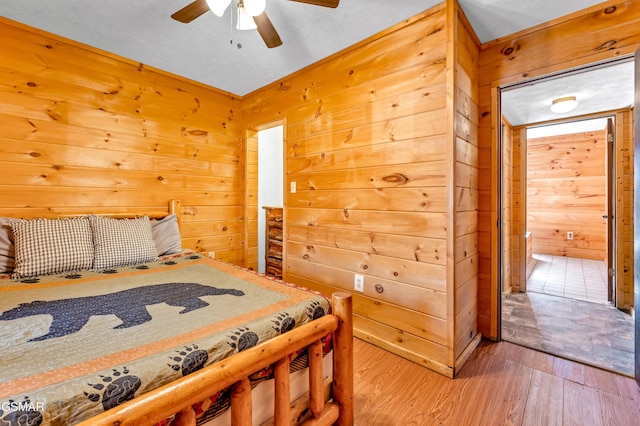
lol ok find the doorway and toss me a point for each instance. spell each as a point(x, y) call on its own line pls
point(549, 309)
point(270, 182)
point(569, 177)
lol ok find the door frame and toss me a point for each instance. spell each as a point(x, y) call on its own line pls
point(614, 165)
point(251, 208)
point(636, 214)
point(612, 210)
point(496, 188)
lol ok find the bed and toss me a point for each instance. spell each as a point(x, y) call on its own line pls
point(125, 327)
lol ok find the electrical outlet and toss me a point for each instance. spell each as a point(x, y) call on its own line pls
point(212, 254)
point(293, 187)
point(358, 283)
point(569, 235)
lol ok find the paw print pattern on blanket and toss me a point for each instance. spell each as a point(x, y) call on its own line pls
point(315, 310)
point(242, 339)
point(115, 389)
point(284, 323)
point(189, 359)
point(21, 413)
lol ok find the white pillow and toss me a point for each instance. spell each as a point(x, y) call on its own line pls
point(52, 246)
point(120, 242)
point(166, 235)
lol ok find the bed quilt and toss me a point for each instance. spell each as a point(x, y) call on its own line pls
point(73, 345)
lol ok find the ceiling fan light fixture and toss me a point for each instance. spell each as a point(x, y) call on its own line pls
point(245, 21)
point(254, 7)
point(218, 6)
point(564, 104)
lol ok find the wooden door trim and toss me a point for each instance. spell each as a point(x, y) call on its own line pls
point(495, 327)
point(522, 217)
point(636, 217)
point(618, 228)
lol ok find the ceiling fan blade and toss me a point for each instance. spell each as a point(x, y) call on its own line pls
point(325, 3)
point(191, 11)
point(267, 30)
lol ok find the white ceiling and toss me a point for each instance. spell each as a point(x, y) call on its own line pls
point(591, 125)
point(600, 89)
point(210, 51)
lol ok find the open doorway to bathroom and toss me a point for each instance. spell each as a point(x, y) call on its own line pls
point(564, 261)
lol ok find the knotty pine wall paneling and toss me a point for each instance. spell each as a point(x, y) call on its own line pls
point(84, 130)
point(600, 33)
point(377, 167)
point(465, 58)
point(365, 143)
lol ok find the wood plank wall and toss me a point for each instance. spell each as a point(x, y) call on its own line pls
point(566, 191)
point(600, 33)
point(466, 257)
point(365, 138)
point(83, 130)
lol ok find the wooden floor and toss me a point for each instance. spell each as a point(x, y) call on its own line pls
point(501, 384)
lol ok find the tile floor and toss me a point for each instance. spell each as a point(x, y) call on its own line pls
point(570, 326)
point(570, 277)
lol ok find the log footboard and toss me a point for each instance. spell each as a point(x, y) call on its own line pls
point(178, 397)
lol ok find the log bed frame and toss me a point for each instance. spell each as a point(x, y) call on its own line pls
point(327, 402)
point(180, 395)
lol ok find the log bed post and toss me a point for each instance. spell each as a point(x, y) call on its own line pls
point(175, 208)
point(343, 354)
point(282, 392)
point(316, 380)
point(241, 403)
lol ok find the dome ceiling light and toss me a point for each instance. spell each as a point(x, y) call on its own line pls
point(564, 104)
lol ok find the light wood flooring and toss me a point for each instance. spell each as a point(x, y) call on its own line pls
point(501, 384)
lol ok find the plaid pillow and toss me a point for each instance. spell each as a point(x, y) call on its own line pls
point(120, 242)
point(52, 246)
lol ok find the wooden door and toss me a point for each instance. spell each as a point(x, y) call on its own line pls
point(611, 212)
point(636, 214)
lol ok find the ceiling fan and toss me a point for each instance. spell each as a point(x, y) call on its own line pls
point(246, 9)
